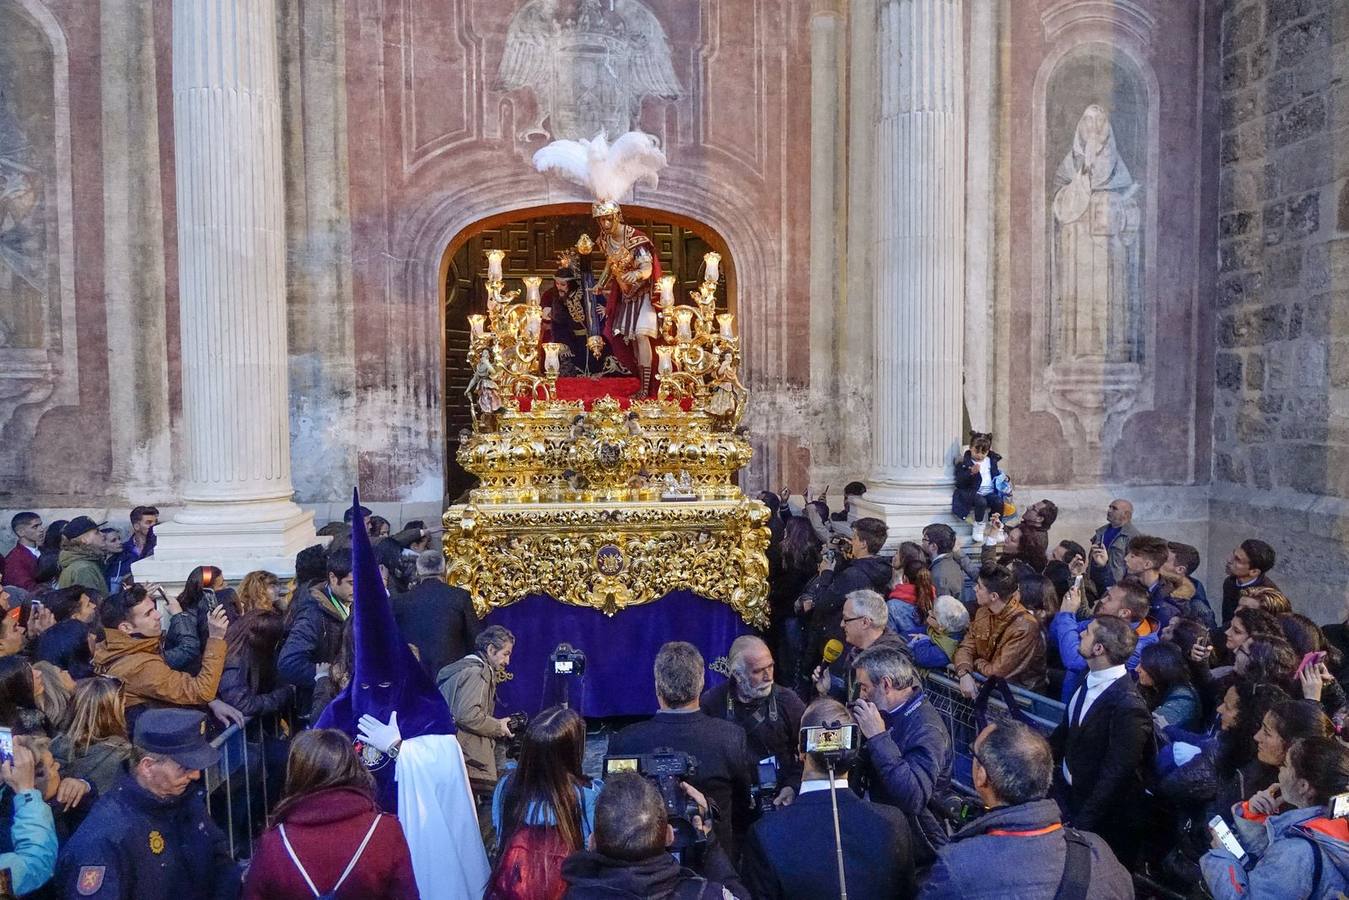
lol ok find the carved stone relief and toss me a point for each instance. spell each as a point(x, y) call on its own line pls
point(1095, 153)
point(37, 315)
point(589, 65)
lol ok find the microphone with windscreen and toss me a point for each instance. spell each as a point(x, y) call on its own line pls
point(833, 649)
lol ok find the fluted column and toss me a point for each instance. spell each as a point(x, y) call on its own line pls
point(235, 464)
point(918, 262)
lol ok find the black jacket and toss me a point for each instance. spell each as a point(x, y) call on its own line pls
point(790, 855)
point(1107, 753)
point(594, 876)
point(724, 768)
point(829, 590)
point(438, 620)
point(1232, 593)
point(772, 725)
point(66, 646)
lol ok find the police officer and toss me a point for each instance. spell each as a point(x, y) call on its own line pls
point(150, 837)
point(769, 713)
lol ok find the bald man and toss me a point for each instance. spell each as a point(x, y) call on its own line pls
point(1110, 542)
point(769, 712)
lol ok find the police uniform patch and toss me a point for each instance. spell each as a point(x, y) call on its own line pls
point(156, 843)
point(90, 880)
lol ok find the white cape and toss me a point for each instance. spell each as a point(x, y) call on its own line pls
point(435, 808)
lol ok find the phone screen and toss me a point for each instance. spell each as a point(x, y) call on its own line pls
point(6, 745)
point(1224, 834)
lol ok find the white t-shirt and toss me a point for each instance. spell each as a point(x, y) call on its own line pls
point(985, 476)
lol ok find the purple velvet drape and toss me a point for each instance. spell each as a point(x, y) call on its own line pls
point(619, 650)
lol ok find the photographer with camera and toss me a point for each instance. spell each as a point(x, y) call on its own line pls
point(628, 857)
point(723, 764)
point(791, 854)
point(469, 686)
point(906, 761)
point(770, 715)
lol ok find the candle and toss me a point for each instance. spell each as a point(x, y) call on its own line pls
point(550, 358)
point(667, 283)
point(726, 322)
point(533, 323)
point(532, 283)
point(713, 263)
point(664, 366)
point(494, 258)
point(684, 323)
point(475, 325)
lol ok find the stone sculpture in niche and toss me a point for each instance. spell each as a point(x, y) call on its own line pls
point(1096, 287)
point(23, 238)
point(588, 63)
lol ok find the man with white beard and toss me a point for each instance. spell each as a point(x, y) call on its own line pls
point(769, 712)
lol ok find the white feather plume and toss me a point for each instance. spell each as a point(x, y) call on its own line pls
point(608, 170)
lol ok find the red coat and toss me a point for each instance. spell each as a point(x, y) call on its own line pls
point(20, 568)
point(325, 829)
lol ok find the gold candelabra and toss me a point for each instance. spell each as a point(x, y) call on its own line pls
point(511, 334)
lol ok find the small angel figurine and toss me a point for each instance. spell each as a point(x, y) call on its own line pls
point(633, 425)
point(726, 388)
point(482, 387)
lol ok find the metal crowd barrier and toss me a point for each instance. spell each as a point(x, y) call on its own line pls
point(957, 711)
point(238, 786)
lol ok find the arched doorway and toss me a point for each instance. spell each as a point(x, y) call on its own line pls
point(531, 239)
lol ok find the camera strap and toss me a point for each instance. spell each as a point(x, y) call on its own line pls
point(1076, 867)
point(757, 717)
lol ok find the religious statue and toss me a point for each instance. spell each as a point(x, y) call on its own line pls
point(726, 384)
point(23, 248)
point(1097, 271)
point(483, 390)
point(630, 269)
point(630, 263)
point(575, 317)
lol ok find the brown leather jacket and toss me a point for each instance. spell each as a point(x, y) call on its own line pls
point(146, 677)
point(1010, 644)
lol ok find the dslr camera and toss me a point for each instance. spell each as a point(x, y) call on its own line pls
point(567, 660)
point(665, 768)
point(765, 790)
point(516, 722)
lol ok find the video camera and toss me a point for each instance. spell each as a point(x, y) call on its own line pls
point(567, 660)
point(765, 791)
point(665, 768)
point(517, 723)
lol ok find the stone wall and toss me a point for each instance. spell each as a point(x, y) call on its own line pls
point(1281, 418)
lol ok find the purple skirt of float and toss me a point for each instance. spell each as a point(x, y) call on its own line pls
point(619, 649)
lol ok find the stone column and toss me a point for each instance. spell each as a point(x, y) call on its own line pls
point(235, 472)
point(918, 262)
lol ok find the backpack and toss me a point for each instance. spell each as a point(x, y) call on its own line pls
point(330, 894)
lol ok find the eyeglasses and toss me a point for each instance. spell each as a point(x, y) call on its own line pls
point(846, 619)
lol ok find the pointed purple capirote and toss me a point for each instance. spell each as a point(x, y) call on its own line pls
point(386, 678)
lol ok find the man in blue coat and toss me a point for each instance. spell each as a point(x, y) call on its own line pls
point(150, 837)
point(1127, 600)
point(906, 761)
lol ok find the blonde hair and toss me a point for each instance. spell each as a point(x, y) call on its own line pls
point(97, 713)
point(55, 699)
point(255, 592)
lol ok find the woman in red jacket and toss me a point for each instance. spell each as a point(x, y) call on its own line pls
point(329, 836)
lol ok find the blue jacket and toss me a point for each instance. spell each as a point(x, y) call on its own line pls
point(904, 618)
point(1066, 632)
point(1026, 863)
point(1283, 847)
point(33, 836)
point(909, 766)
point(136, 846)
point(928, 654)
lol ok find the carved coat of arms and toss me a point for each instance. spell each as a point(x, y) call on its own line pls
point(589, 64)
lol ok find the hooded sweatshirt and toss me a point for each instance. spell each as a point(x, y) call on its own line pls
point(82, 564)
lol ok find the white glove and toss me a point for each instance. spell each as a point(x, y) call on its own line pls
point(378, 735)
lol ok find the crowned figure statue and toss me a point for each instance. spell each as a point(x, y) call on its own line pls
point(631, 266)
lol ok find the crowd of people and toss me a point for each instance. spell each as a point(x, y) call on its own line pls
point(1197, 749)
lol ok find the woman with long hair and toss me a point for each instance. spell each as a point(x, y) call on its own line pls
point(185, 638)
point(1296, 854)
point(95, 745)
point(19, 688)
point(542, 810)
point(1286, 722)
point(249, 682)
point(54, 687)
point(49, 555)
point(911, 595)
point(326, 823)
point(258, 591)
point(1187, 634)
point(800, 550)
point(1270, 599)
point(1165, 682)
